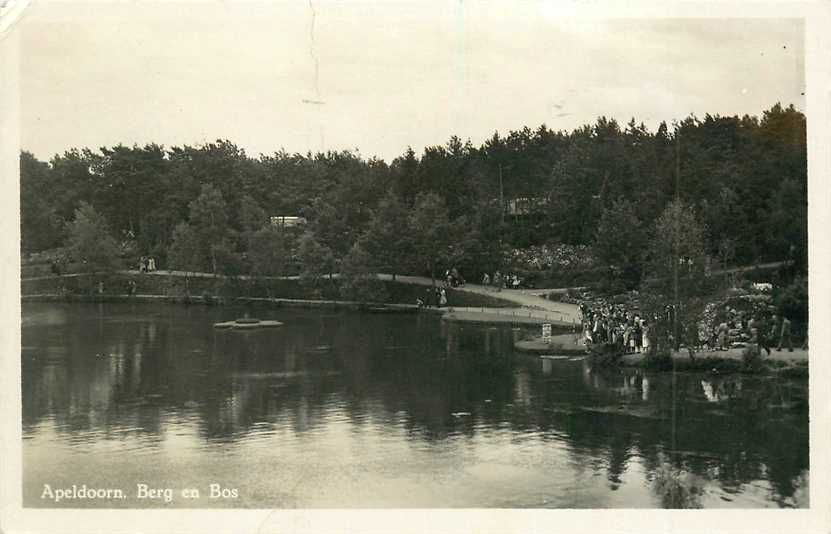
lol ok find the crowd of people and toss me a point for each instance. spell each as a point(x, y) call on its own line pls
point(617, 326)
point(632, 333)
point(738, 327)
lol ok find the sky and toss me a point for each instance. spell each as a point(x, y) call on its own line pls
point(378, 77)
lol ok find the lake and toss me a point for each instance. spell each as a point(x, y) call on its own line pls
point(346, 410)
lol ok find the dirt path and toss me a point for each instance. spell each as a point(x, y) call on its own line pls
point(558, 311)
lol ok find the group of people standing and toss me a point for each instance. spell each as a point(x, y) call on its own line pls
point(757, 329)
point(436, 296)
point(147, 264)
point(498, 282)
point(452, 278)
point(617, 326)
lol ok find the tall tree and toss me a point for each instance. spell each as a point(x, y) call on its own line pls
point(209, 220)
point(40, 225)
point(387, 240)
point(430, 230)
point(619, 243)
point(90, 242)
point(316, 261)
point(202, 242)
point(358, 278)
point(186, 252)
point(129, 182)
point(268, 251)
point(677, 272)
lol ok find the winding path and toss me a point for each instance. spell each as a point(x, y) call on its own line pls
point(528, 304)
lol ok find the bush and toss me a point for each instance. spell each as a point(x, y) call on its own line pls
point(90, 243)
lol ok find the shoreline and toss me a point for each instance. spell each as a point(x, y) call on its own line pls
point(515, 317)
point(793, 362)
point(471, 304)
point(225, 301)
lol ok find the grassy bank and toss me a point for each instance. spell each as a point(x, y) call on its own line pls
point(784, 363)
point(787, 364)
point(215, 290)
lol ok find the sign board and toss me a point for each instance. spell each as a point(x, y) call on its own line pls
point(546, 333)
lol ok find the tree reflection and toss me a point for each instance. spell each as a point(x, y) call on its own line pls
point(676, 488)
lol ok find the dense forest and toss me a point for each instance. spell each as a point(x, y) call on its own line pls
point(600, 189)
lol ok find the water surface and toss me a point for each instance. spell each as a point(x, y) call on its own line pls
point(366, 410)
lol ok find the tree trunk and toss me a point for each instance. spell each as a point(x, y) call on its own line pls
point(433, 273)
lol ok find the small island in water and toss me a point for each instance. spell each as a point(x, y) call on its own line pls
point(247, 323)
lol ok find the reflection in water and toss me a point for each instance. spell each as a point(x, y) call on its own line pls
point(722, 388)
point(368, 410)
point(522, 387)
point(711, 395)
point(676, 488)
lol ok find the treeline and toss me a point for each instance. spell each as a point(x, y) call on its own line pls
point(208, 207)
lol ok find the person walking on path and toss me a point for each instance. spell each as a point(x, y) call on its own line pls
point(722, 336)
point(638, 334)
point(429, 298)
point(785, 334)
point(486, 281)
point(762, 337)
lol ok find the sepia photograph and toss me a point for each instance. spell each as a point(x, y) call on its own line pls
point(317, 255)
